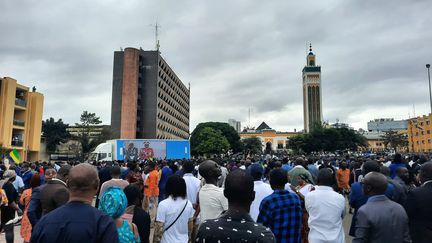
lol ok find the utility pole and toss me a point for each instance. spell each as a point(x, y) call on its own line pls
point(430, 92)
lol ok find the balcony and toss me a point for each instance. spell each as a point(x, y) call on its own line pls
point(20, 102)
point(19, 123)
point(18, 143)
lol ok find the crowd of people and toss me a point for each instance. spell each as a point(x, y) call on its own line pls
point(302, 199)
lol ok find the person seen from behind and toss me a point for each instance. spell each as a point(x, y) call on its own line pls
point(174, 220)
point(26, 227)
point(113, 203)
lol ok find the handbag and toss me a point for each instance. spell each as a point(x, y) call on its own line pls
point(177, 216)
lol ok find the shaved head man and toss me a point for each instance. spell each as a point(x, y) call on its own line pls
point(210, 170)
point(211, 198)
point(77, 221)
point(380, 219)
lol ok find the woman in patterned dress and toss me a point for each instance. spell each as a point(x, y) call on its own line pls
point(26, 228)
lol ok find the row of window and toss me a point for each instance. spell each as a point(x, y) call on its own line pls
point(168, 71)
point(168, 108)
point(168, 128)
point(166, 118)
point(423, 133)
point(423, 141)
point(171, 97)
point(174, 87)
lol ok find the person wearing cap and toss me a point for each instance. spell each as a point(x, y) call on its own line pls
point(261, 189)
point(8, 211)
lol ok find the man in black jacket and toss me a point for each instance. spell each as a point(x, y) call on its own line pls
point(418, 207)
point(55, 193)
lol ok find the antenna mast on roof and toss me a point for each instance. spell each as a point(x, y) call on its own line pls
point(157, 35)
point(249, 117)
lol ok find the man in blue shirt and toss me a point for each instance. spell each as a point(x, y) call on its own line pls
point(26, 175)
point(281, 211)
point(77, 221)
point(165, 173)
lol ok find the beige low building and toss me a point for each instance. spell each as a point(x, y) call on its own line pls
point(20, 119)
point(278, 141)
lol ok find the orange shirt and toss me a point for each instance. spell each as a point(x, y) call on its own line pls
point(151, 188)
point(342, 178)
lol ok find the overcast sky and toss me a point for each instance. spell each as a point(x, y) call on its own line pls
point(235, 54)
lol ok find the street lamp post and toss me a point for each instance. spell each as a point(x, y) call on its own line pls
point(430, 92)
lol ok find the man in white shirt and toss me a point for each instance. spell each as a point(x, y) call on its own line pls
point(261, 189)
point(212, 201)
point(192, 183)
point(326, 210)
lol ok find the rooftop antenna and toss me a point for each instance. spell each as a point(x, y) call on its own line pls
point(249, 117)
point(414, 110)
point(121, 48)
point(157, 35)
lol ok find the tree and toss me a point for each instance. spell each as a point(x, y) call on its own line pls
point(327, 139)
point(86, 126)
point(211, 142)
point(55, 133)
point(227, 131)
point(252, 146)
point(394, 139)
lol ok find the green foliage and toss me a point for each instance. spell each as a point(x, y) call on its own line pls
point(87, 122)
point(54, 133)
point(227, 131)
point(211, 142)
point(252, 145)
point(327, 139)
point(394, 139)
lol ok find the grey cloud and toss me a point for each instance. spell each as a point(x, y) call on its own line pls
point(236, 54)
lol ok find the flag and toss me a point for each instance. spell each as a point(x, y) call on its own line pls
point(15, 156)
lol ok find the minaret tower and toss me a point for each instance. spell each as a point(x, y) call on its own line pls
point(312, 101)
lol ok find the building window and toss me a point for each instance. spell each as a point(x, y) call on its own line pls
point(423, 142)
point(422, 132)
point(429, 141)
point(418, 142)
point(427, 122)
point(428, 131)
point(421, 123)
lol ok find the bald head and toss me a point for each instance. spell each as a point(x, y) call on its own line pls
point(83, 179)
point(209, 170)
point(50, 173)
point(374, 183)
point(426, 172)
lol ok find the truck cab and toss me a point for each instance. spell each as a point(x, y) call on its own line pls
point(103, 152)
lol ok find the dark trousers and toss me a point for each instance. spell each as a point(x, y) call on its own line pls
point(9, 233)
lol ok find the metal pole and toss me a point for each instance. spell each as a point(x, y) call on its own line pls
point(430, 92)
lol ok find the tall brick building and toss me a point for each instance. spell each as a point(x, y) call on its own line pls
point(148, 99)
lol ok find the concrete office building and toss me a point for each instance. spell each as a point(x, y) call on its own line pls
point(20, 119)
point(148, 99)
point(312, 101)
point(387, 124)
point(235, 124)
